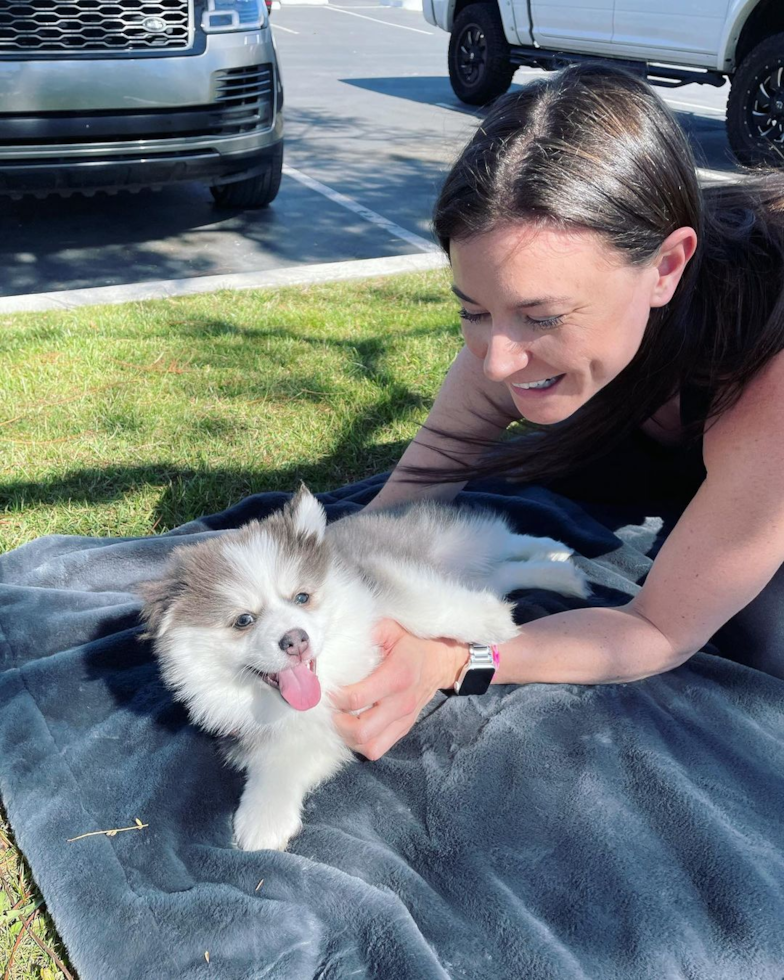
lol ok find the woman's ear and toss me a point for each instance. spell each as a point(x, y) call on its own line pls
point(670, 263)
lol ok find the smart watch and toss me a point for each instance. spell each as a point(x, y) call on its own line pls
point(478, 671)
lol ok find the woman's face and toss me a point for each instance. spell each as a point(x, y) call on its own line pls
point(557, 309)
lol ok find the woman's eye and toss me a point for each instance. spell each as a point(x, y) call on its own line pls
point(243, 621)
point(470, 317)
point(548, 323)
point(301, 598)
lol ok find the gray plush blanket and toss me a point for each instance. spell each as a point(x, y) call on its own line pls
point(615, 832)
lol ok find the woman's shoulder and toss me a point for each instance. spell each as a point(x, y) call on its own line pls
point(755, 418)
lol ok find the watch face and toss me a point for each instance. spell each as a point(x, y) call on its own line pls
point(477, 680)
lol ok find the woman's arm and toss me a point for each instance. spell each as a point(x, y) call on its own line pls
point(467, 405)
point(726, 547)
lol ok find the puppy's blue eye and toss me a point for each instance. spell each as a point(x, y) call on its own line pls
point(301, 598)
point(243, 621)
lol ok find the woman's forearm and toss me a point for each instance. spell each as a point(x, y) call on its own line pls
point(583, 646)
point(399, 490)
point(467, 408)
point(587, 646)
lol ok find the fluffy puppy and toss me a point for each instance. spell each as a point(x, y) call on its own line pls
point(255, 627)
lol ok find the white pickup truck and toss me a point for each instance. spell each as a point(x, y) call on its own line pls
point(671, 42)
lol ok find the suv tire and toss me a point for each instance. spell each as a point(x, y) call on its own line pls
point(252, 192)
point(479, 67)
point(755, 108)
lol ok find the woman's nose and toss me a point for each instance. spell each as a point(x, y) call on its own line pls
point(504, 357)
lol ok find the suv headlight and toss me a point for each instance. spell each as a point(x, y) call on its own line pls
point(233, 15)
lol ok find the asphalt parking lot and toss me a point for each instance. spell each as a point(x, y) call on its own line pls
point(371, 126)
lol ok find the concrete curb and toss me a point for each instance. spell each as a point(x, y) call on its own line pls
point(70, 299)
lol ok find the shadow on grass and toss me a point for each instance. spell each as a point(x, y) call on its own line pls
point(188, 493)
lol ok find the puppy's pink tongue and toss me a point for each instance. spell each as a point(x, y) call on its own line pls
point(300, 687)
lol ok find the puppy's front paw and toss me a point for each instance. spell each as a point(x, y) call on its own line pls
point(524, 547)
point(263, 831)
point(494, 620)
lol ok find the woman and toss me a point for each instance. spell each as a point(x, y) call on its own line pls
point(638, 323)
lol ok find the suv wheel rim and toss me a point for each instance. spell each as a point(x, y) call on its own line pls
point(767, 108)
point(471, 54)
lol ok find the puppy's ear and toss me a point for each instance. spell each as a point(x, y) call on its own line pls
point(307, 515)
point(158, 598)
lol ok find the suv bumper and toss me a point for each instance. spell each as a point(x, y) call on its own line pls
point(110, 122)
point(133, 172)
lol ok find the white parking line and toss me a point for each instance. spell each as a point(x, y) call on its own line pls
point(351, 205)
point(386, 23)
point(707, 109)
point(280, 27)
point(463, 112)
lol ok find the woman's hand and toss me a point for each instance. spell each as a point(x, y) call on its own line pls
point(410, 673)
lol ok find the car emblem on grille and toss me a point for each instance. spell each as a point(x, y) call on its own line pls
point(155, 25)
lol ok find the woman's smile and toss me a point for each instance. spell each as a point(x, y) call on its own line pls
point(537, 385)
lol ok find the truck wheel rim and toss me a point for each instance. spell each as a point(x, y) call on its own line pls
point(471, 54)
point(767, 108)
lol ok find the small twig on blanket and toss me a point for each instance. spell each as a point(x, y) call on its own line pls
point(109, 833)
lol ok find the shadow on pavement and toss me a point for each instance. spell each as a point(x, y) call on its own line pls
point(177, 232)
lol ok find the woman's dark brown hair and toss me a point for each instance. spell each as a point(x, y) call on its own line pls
point(594, 147)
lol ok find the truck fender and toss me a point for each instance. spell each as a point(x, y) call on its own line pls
point(439, 13)
point(737, 15)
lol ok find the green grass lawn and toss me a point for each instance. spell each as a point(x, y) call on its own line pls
point(134, 419)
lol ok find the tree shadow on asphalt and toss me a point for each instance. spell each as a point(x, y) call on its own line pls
point(178, 232)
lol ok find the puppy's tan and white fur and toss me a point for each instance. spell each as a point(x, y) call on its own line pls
point(255, 627)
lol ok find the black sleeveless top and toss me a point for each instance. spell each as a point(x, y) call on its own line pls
point(695, 403)
point(643, 471)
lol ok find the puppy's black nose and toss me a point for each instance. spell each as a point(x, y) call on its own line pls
point(295, 643)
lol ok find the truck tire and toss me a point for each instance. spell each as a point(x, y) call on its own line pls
point(755, 108)
point(479, 67)
point(253, 192)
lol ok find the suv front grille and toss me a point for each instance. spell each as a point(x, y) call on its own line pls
point(94, 25)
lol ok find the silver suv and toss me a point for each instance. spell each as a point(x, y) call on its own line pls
point(106, 94)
